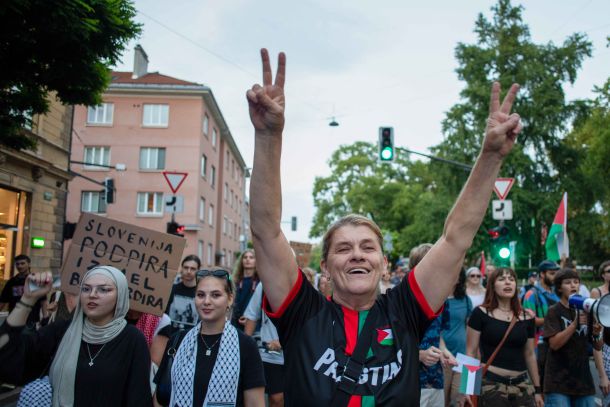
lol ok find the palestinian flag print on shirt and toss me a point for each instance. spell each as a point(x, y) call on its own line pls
point(353, 322)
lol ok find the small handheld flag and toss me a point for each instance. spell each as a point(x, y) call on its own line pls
point(471, 380)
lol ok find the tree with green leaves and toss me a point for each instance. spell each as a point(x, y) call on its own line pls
point(414, 204)
point(505, 52)
point(583, 173)
point(65, 47)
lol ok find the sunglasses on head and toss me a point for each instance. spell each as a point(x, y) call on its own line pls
point(221, 273)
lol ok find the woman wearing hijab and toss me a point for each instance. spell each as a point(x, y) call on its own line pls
point(215, 363)
point(95, 359)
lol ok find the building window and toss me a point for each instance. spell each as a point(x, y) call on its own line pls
point(227, 160)
point(214, 137)
point(202, 209)
point(200, 249)
point(210, 254)
point(96, 155)
point(211, 215)
point(204, 165)
point(213, 177)
point(224, 225)
point(152, 158)
point(101, 114)
point(206, 124)
point(225, 192)
point(224, 257)
point(92, 201)
point(156, 115)
point(230, 228)
point(150, 203)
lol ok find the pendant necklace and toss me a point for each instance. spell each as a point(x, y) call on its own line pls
point(507, 313)
point(91, 359)
point(208, 351)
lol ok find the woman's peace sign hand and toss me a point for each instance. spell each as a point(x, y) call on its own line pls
point(266, 103)
point(502, 126)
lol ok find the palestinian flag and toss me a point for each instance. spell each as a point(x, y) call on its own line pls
point(470, 382)
point(385, 336)
point(557, 244)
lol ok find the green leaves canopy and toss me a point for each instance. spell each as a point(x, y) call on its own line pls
point(66, 47)
point(412, 199)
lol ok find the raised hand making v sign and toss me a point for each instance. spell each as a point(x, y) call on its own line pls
point(318, 335)
point(267, 102)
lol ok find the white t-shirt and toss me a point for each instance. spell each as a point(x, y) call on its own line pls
point(477, 300)
point(268, 332)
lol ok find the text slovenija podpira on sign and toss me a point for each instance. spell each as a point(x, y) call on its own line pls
point(149, 259)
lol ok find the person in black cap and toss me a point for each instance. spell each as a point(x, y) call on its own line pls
point(538, 299)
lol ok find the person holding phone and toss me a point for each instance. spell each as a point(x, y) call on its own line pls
point(81, 354)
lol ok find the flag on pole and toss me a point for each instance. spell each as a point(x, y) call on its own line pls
point(482, 264)
point(470, 382)
point(557, 244)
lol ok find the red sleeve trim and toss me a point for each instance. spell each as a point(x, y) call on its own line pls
point(419, 296)
point(287, 301)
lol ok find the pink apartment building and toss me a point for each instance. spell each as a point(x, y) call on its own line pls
point(149, 123)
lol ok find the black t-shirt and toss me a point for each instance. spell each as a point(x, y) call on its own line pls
point(251, 374)
point(119, 375)
point(12, 292)
point(181, 306)
point(511, 355)
point(567, 369)
point(318, 334)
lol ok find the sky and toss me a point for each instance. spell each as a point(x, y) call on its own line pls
point(368, 64)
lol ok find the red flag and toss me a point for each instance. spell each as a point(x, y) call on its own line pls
point(483, 264)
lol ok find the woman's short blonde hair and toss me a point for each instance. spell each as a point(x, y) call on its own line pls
point(351, 220)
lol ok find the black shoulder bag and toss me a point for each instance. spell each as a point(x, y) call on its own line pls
point(355, 363)
point(164, 388)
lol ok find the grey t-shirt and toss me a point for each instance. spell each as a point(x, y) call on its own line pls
point(267, 332)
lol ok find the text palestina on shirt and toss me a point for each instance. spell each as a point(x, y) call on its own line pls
point(372, 374)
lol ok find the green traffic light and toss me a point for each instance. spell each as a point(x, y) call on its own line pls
point(504, 253)
point(387, 153)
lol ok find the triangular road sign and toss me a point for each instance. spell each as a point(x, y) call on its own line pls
point(174, 179)
point(503, 186)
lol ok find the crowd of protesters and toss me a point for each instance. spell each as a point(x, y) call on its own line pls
point(544, 360)
point(352, 335)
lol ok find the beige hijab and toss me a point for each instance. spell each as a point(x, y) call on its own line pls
point(63, 368)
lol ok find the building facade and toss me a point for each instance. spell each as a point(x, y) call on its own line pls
point(33, 188)
point(150, 123)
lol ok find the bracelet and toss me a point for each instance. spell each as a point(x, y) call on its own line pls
point(24, 304)
point(537, 389)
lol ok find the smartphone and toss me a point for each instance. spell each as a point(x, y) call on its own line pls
point(56, 284)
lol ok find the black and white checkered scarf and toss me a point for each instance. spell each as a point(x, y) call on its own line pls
point(222, 388)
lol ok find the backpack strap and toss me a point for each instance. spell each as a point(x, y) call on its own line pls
point(355, 363)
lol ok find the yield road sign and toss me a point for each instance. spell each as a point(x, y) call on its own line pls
point(502, 209)
point(502, 186)
point(174, 179)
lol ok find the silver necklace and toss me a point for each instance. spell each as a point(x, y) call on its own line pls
point(91, 359)
point(208, 351)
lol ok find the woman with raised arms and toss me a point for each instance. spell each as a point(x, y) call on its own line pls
point(357, 348)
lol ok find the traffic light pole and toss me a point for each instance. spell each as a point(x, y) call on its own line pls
point(463, 166)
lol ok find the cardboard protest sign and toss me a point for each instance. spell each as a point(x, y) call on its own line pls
point(149, 259)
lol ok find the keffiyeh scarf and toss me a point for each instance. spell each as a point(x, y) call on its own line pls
point(222, 388)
